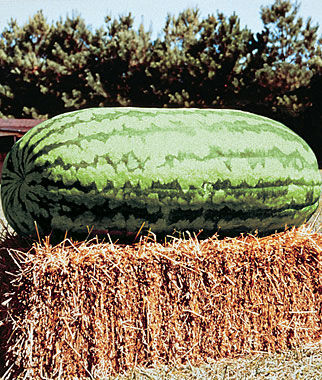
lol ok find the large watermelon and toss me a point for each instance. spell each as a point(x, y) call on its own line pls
point(172, 169)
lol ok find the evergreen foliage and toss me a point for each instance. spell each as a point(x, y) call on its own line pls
point(47, 69)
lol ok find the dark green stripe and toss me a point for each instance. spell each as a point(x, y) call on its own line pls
point(101, 212)
point(276, 188)
point(171, 190)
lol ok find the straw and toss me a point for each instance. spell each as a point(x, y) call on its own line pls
point(82, 309)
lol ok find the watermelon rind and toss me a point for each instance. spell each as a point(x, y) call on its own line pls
point(116, 169)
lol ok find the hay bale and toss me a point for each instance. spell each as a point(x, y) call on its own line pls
point(95, 309)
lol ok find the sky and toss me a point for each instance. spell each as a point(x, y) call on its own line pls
point(152, 13)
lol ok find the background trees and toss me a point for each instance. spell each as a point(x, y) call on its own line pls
point(47, 69)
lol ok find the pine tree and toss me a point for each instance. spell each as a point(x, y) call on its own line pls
point(199, 62)
point(23, 53)
point(43, 67)
point(291, 57)
point(67, 62)
point(118, 58)
point(47, 69)
point(221, 54)
point(171, 68)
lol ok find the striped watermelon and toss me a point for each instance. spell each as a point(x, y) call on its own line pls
point(114, 169)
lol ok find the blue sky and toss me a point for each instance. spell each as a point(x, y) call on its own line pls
point(151, 12)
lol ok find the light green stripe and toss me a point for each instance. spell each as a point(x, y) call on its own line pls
point(235, 132)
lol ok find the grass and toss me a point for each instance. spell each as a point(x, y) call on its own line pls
point(304, 363)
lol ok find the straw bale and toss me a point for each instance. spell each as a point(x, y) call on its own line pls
point(91, 309)
point(7, 294)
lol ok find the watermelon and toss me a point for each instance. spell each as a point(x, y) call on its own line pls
point(116, 169)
